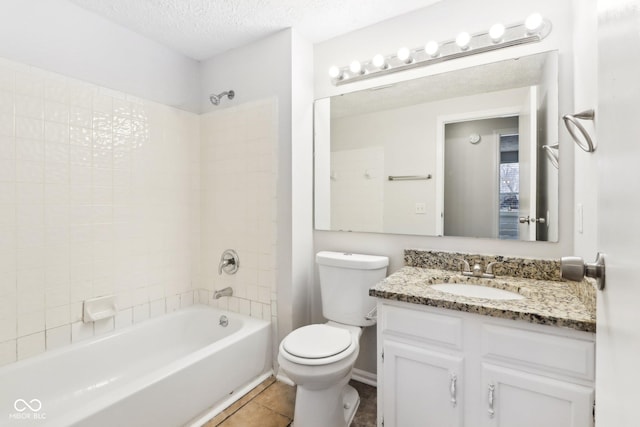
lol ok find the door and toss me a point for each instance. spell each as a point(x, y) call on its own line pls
point(618, 152)
point(514, 398)
point(527, 157)
point(422, 388)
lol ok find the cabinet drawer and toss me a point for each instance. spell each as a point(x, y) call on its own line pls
point(436, 328)
point(558, 354)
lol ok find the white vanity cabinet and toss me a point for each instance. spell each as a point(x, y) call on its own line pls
point(423, 388)
point(446, 368)
point(528, 400)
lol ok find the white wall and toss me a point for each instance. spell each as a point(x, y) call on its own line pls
point(585, 85)
point(255, 71)
point(59, 36)
point(98, 196)
point(302, 257)
point(443, 21)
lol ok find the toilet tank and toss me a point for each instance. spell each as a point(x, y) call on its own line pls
point(345, 280)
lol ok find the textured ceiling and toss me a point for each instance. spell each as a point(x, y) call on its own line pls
point(201, 29)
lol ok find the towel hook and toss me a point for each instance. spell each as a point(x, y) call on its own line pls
point(571, 122)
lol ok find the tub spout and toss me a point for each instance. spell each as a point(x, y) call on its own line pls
point(226, 292)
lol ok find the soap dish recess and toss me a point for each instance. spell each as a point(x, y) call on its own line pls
point(98, 308)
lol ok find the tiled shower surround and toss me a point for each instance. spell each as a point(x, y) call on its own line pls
point(239, 171)
point(102, 193)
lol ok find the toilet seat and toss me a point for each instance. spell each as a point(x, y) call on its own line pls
point(318, 344)
point(317, 341)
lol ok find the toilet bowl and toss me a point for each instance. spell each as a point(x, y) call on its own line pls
point(319, 358)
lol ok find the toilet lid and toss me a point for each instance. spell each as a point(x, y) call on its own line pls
point(317, 341)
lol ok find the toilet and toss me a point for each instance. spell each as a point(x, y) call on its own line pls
point(319, 358)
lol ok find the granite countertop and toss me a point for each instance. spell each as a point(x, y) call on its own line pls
point(547, 302)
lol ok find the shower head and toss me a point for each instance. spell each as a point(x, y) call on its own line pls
point(215, 99)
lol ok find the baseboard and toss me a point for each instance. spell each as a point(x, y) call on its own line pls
point(365, 377)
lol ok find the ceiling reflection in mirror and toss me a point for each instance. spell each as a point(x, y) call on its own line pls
point(453, 154)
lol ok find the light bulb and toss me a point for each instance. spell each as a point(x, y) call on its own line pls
point(335, 73)
point(496, 32)
point(432, 48)
point(533, 23)
point(356, 67)
point(404, 55)
point(380, 62)
point(462, 40)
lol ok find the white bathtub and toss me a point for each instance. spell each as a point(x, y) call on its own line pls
point(163, 372)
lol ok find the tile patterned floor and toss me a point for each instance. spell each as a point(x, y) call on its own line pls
point(271, 404)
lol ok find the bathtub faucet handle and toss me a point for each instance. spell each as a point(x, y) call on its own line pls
point(229, 262)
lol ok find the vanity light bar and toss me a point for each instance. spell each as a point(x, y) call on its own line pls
point(534, 29)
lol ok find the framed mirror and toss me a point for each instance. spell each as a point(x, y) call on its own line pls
point(463, 153)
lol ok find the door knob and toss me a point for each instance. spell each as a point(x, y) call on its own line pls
point(527, 220)
point(574, 268)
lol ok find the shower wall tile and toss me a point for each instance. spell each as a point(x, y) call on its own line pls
point(124, 318)
point(99, 194)
point(103, 326)
point(238, 196)
point(8, 352)
point(58, 337)
point(31, 345)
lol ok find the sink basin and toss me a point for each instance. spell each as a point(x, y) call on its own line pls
point(476, 291)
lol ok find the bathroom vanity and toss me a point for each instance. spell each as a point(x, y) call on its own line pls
point(455, 360)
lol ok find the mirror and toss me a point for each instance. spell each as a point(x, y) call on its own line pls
point(464, 153)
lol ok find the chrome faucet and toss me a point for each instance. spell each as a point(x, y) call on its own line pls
point(477, 269)
point(466, 269)
point(226, 292)
point(489, 274)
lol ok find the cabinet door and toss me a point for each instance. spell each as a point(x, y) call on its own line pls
point(514, 398)
point(421, 387)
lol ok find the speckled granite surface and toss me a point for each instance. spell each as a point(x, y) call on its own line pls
point(506, 266)
point(547, 301)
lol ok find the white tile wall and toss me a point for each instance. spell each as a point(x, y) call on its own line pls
point(99, 194)
point(102, 193)
point(239, 172)
point(58, 337)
